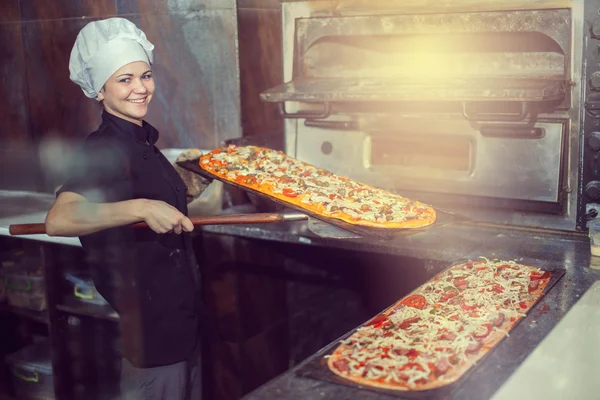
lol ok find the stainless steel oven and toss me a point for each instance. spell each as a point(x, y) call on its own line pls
point(485, 108)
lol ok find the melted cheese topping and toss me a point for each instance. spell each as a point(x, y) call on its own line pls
point(464, 306)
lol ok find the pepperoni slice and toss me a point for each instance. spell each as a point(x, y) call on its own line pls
point(415, 301)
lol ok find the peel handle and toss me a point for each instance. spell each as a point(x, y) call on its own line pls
point(228, 219)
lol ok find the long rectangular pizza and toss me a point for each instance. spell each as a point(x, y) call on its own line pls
point(305, 186)
point(431, 337)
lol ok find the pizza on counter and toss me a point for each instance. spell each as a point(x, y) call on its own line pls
point(433, 336)
point(314, 189)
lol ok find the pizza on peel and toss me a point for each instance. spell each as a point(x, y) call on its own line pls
point(314, 189)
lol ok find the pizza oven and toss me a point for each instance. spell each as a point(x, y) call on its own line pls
point(489, 109)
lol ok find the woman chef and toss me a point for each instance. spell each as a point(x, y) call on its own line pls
point(121, 178)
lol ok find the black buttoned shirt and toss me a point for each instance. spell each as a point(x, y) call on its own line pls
point(148, 278)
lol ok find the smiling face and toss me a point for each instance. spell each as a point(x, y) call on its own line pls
point(128, 92)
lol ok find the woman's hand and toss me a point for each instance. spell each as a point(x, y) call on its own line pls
point(162, 217)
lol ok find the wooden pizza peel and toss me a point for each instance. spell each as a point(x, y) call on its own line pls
point(322, 227)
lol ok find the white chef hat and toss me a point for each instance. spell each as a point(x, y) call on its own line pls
point(101, 48)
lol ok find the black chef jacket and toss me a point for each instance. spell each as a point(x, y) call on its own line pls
point(148, 278)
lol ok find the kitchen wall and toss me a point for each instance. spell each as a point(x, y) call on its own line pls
point(196, 69)
point(261, 64)
point(212, 59)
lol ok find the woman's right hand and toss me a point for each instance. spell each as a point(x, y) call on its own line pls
point(163, 218)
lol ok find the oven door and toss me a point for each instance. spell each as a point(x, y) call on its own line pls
point(443, 156)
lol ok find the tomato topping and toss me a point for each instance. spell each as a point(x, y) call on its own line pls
point(467, 307)
point(415, 301)
point(289, 192)
point(382, 324)
point(385, 351)
point(377, 320)
point(522, 304)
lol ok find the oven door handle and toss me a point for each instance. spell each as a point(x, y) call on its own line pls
point(332, 125)
point(496, 117)
point(512, 132)
point(306, 114)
